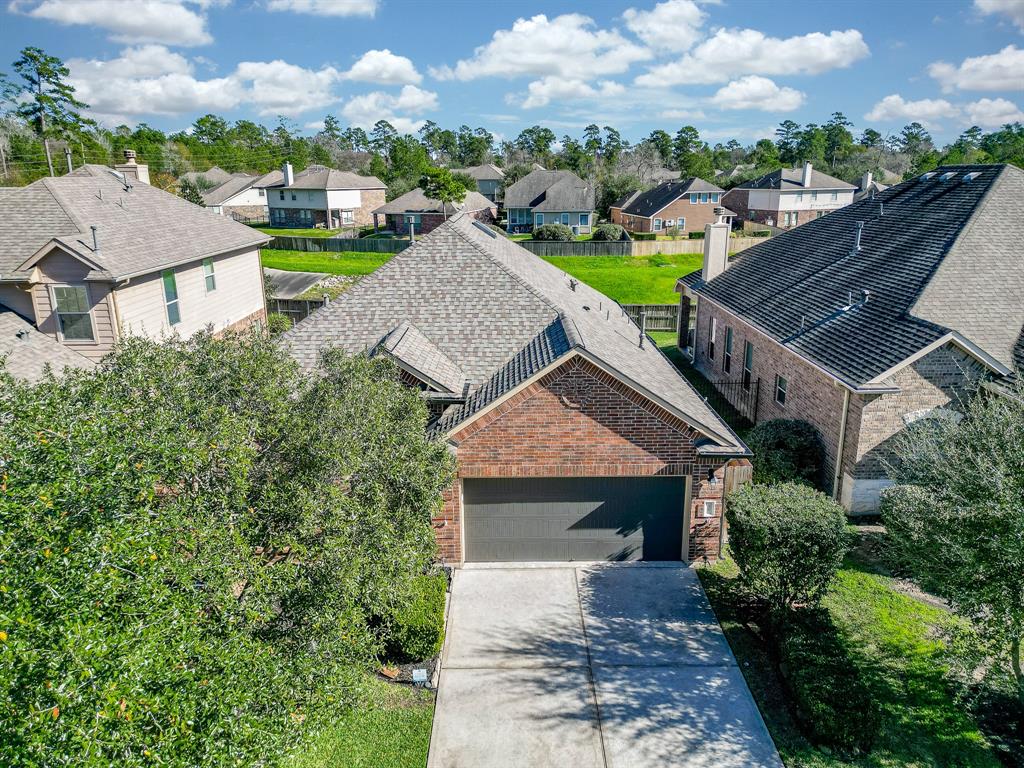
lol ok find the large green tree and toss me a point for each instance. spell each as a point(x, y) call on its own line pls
point(44, 98)
point(441, 184)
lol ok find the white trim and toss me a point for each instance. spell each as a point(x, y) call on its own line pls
point(952, 337)
point(56, 312)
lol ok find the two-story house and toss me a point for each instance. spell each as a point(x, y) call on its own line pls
point(550, 197)
point(321, 197)
point(237, 197)
point(879, 316)
point(488, 178)
point(88, 257)
point(681, 206)
point(789, 197)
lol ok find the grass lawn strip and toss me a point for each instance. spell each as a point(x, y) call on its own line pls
point(288, 232)
point(631, 279)
point(391, 730)
point(340, 263)
point(895, 639)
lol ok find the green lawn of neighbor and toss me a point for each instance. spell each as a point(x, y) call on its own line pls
point(629, 279)
point(390, 730)
point(342, 263)
point(896, 640)
point(289, 232)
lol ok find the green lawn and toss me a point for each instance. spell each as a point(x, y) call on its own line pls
point(631, 280)
point(343, 263)
point(894, 638)
point(289, 232)
point(392, 730)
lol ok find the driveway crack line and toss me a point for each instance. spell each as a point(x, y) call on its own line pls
point(590, 668)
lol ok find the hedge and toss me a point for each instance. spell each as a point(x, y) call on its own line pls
point(416, 630)
point(787, 450)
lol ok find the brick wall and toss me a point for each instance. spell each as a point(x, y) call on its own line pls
point(578, 421)
point(246, 211)
point(431, 221)
point(370, 200)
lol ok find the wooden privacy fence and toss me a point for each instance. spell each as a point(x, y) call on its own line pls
point(337, 244)
point(295, 310)
point(676, 247)
point(658, 317)
point(585, 248)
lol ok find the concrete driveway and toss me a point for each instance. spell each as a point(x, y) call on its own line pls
point(597, 665)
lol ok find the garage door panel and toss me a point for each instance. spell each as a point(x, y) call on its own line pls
point(616, 518)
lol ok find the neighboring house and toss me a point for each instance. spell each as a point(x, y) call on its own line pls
point(488, 177)
point(872, 319)
point(735, 172)
point(208, 179)
point(550, 197)
point(238, 198)
point(575, 438)
point(88, 257)
point(321, 197)
point(426, 214)
point(659, 175)
point(868, 187)
point(789, 197)
point(685, 205)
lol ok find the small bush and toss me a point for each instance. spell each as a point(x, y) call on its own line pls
point(416, 630)
point(697, 235)
point(278, 323)
point(834, 705)
point(788, 541)
point(644, 236)
point(607, 232)
point(787, 451)
point(558, 232)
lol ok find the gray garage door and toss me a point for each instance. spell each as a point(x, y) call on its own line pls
point(582, 518)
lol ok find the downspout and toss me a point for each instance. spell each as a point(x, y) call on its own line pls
point(842, 441)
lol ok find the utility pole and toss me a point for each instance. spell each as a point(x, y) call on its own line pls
point(49, 160)
point(3, 159)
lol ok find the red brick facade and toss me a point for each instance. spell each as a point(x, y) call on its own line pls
point(431, 221)
point(578, 421)
point(694, 215)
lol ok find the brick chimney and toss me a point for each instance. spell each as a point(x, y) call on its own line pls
point(131, 170)
point(288, 173)
point(716, 247)
point(805, 180)
point(865, 180)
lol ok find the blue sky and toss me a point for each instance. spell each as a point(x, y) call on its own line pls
point(734, 68)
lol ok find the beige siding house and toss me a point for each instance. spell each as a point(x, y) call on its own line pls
point(88, 257)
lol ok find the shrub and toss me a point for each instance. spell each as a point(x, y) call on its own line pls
point(558, 232)
point(699, 235)
point(416, 629)
point(644, 236)
point(606, 231)
point(787, 450)
point(278, 323)
point(833, 704)
point(788, 541)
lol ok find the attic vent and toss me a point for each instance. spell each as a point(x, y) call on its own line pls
point(972, 175)
point(947, 176)
point(926, 176)
point(485, 229)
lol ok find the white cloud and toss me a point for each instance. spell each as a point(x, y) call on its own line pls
point(993, 113)
point(730, 53)
point(1003, 71)
point(756, 92)
point(682, 114)
point(326, 7)
point(385, 68)
point(129, 21)
point(365, 110)
point(674, 25)
point(1013, 9)
point(924, 111)
point(567, 46)
point(542, 92)
point(279, 88)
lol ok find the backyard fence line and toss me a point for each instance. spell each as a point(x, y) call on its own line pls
point(337, 245)
point(585, 248)
point(295, 310)
point(677, 247)
point(658, 317)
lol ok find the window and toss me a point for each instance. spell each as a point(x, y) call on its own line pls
point(681, 223)
point(261, 192)
point(750, 215)
point(657, 225)
point(814, 195)
point(781, 385)
point(538, 219)
point(704, 197)
point(835, 196)
point(294, 197)
point(748, 365)
point(565, 219)
point(412, 218)
point(347, 217)
point(584, 219)
point(711, 338)
point(727, 355)
point(799, 197)
point(208, 276)
point(281, 193)
point(716, 196)
point(309, 195)
point(707, 508)
point(789, 218)
point(694, 198)
point(171, 297)
point(73, 318)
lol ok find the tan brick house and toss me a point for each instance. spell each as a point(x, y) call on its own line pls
point(319, 196)
point(887, 312)
point(575, 437)
point(685, 205)
point(789, 197)
point(425, 214)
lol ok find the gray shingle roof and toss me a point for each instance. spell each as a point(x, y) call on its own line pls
point(550, 191)
point(485, 172)
point(408, 344)
point(210, 176)
point(416, 201)
point(230, 187)
point(792, 178)
point(139, 231)
point(939, 254)
point(482, 301)
point(26, 352)
point(648, 203)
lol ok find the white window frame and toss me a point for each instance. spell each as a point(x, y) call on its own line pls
point(538, 219)
point(781, 387)
point(657, 225)
point(694, 198)
point(748, 366)
point(709, 508)
point(727, 350)
point(281, 194)
point(347, 216)
point(584, 219)
point(716, 196)
point(88, 312)
point(168, 302)
point(565, 219)
point(712, 337)
point(814, 197)
point(835, 196)
point(799, 197)
point(261, 192)
point(704, 197)
point(681, 223)
point(209, 276)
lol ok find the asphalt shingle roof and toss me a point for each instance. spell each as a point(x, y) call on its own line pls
point(488, 306)
point(485, 172)
point(939, 253)
point(792, 178)
point(553, 191)
point(26, 352)
point(416, 201)
point(408, 344)
point(648, 203)
point(230, 187)
point(140, 230)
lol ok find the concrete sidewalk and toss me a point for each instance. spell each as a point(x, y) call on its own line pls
point(590, 666)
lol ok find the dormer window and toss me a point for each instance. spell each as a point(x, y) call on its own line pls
point(972, 175)
point(947, 176)
point(926, 176)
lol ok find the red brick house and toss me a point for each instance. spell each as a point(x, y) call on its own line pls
point(575, 437)
point(426, 214)
point(882, 314)
point(789, 197)
point(685, 205)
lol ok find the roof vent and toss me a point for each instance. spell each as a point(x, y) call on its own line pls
point(947, 176)
point(926, 176)
point(21, 333)
point(972, 175)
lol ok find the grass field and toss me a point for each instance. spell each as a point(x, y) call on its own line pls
point(392, 730)
point(342, 263)
point(631, 280)
point(895, 639)
point(289, 232)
